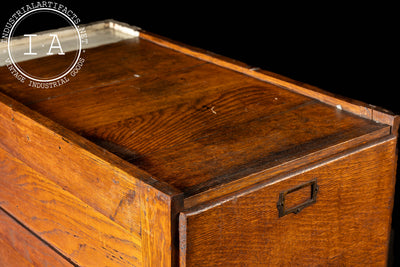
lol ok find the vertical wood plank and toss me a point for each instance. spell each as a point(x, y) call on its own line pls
point(159, 226)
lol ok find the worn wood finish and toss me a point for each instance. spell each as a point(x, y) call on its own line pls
point(20, 247)
point(68, 164)
point(159, 214)
point(347, 226)
point(84, 236)
point(98, 170)
point(216, 125)
point(101, 179)
point(126, 60)
point(280, 170)
point(239, 150)
point(354, 106)
point(10, 257)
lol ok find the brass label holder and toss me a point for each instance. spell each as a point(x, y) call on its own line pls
point(283, 210)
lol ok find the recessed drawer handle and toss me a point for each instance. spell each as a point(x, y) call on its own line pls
point(296, 193)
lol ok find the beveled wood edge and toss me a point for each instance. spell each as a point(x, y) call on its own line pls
point(356, 107)
point(98, 153)
point(187, 212)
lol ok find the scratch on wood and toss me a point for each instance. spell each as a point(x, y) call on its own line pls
point(128, 198)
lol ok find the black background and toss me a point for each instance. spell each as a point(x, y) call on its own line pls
point(350, 50)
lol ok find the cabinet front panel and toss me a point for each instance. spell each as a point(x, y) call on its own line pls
point(334, 213)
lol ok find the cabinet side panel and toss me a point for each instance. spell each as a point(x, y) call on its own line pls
point(69, 161)
point(348, 225)
point(70, 226)
point(19, 247)
point(119, 193)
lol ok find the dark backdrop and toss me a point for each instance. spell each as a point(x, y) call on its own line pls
point(348, 50)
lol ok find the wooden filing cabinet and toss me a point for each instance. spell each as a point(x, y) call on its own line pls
point(160, 154)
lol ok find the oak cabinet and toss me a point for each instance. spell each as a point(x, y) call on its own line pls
point(161, 154)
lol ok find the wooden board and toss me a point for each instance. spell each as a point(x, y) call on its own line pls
point(20, 247)
point(94, 178)
point(356, 107)
point(191, 124)
point(349, 225)
point(69, 225)
point(97, 171)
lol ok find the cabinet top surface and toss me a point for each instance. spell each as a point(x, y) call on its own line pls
point(186, 121)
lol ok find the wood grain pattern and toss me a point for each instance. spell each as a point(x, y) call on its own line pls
point(159, 215)
point(201, 126)
point(72, 167)
point(134, 97)
point(235, 103)
point(347, 226)
point(195, 125)
point(70, 162)
point(19, 247)
point(239, 149)
point(109, 179)
point(356, 107)
point(82, 234)
point(280, 170)
point(105, 65)
point(10, 257)
point(101, 168)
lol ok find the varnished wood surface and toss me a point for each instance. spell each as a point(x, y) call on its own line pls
point(100, 182)
point(354, 106)
point(192, 124)
point(349, 225)
point(110, 64)
point(292, 165)
point(20, 247)
point(242, 149)
point(10, 257)
point(82, 234)
point(194, 132)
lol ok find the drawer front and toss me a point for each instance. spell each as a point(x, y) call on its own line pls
point(334, 213)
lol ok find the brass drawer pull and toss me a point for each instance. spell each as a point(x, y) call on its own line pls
point(283, 196)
